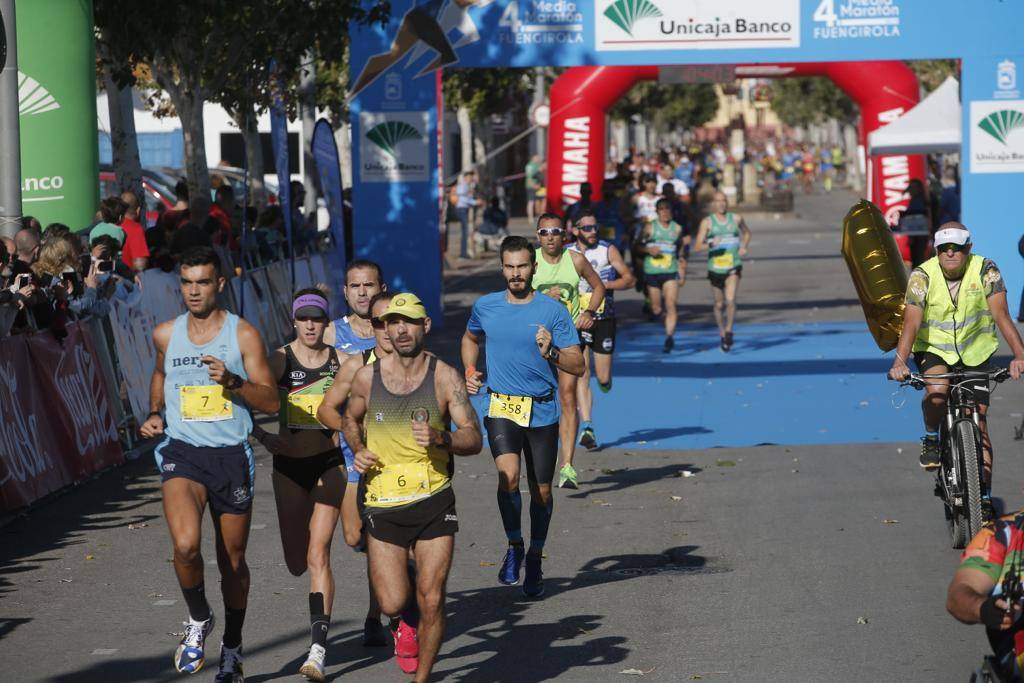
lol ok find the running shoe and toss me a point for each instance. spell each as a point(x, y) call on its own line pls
point(533, 583)
point(605, 388)
point(313, 669)
point(930, 453)
point(374, 634)
point(587, 438)
point(189, 657)
point(567, 478)
point(510, 566)
point(230, 665)
point(728, 341)
point(670, 344)
point(407, 650)
point(722, 345)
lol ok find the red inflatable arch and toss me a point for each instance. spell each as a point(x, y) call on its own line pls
point(581, 97)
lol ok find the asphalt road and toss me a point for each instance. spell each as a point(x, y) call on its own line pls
point(772, 563)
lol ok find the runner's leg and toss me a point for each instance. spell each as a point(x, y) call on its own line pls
point(670, 290)
point(510, 502)
point(232, 537)
point(603, 367)
point(389, 575)
point(732, 284)
point(433, 561)
point(183, 501)
point(719, 305)
point(584, 397)
point(654, 294)
point(294, 508)
point(569, 421)
point(324, 520)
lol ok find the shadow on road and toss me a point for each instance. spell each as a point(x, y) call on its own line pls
point(617, 480)
point(639, 435)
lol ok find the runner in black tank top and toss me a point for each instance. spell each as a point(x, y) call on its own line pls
point(308, 475)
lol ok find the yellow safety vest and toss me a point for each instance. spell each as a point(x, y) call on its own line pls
point(964, 332)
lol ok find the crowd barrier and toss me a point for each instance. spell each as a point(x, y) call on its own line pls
point(69, 408)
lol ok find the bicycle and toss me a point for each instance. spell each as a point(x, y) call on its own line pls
point(958, 481)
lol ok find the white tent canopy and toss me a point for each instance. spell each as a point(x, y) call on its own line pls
point(933, 126)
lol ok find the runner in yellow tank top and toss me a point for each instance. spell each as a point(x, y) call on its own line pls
point(558, 275)
point(405, 403)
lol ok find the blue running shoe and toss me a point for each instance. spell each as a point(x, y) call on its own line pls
point(189, 657)
point(509, 572)
point(533, 583)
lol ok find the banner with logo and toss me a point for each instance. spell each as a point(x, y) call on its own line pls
point(328, 168)
point(57, 111)
point(279, 141)
point(57, 426)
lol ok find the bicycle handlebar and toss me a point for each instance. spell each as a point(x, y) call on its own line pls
point(920, 381)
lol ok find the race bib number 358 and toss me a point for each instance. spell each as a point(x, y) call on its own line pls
point(515, 408)
point(210, 403)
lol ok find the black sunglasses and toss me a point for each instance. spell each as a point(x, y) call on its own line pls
point(544, 232)
point(587, 228)
point(377, 323)
point(943, 248)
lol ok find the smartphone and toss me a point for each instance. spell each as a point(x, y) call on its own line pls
point(22, 281)
point(84, 264)
point(105, 265)
point(75, 281)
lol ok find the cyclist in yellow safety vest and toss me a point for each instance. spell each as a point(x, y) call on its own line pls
point(955, 301)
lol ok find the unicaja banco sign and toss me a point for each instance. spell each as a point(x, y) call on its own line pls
point(631, 25)
point(996, 144)
point(397, 149)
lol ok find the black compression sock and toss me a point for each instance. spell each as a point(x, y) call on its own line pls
point(233, 620)
point(318, 621)
point(195, 599)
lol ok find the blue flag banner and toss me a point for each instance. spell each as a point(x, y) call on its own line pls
point(279, 141)
point(325, 155)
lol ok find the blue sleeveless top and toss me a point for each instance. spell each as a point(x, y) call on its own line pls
point(346, 340)
point(231, 422)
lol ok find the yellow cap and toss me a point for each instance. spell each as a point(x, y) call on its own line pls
point(405, 304)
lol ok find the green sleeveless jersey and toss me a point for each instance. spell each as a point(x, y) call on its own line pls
point(561, 276)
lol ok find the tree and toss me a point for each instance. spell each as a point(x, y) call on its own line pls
point(932, 72)
point(804, 101)
point(684, 105)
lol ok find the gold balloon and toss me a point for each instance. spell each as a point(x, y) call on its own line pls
point(878, 272)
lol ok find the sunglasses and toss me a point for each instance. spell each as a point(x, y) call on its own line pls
point(377, 323)
point(544, 232)
point(955, 248)
point(587, 228)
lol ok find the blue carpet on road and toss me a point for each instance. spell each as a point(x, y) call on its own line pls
point(820, 383)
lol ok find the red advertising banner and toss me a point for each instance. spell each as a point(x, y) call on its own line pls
point(56, 425)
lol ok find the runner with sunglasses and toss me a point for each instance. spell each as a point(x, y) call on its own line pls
point(307, 477)
point(605, 258)
point(955, 301)
point(664, 267)
point(559, 273)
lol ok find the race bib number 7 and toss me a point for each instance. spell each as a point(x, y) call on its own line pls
point(210, 403)
point(515, 408)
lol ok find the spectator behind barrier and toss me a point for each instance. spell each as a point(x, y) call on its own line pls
point(58, 271)
point(105, 242)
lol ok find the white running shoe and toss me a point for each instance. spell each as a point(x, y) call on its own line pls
point(189, 657)
point(230, 665)
point(313, 669)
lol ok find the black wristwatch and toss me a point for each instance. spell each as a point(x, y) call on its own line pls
point(235, 382)
point(587, 310)
point(155, 412)
point(552, 354)
point(446, 441)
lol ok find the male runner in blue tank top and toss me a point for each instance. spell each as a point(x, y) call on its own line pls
point(210, 372)
point(353, 333)
point(529, 337)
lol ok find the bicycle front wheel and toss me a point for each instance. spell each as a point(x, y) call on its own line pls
point(968, 442)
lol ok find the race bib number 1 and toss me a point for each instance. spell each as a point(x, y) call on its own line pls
point(210, 403)
point(515, 408)
point(302, 411)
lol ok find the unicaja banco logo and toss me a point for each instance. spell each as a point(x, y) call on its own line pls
point(625, 13)
point(33, 98)
point(999, 124)
point(387, 135)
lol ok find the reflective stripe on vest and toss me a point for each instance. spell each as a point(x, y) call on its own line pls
point(962, 333)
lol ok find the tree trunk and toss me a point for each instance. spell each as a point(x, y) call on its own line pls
point(465, 138)
point(190, 111)
point(245, 119)
point(851, 155)
point(343, 136)
point(539, 95)
point(307, 112)
point(124, 144)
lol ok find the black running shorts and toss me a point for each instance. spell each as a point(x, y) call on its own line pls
point(601, 336)
point(227, 473)
point(420, 521)
point(539, 446)
point(926, 361)
point(718, 279)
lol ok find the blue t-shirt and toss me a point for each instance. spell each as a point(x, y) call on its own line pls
point(347, 341)
point(514, 364)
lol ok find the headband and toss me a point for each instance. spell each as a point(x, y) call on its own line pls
point(314, 300)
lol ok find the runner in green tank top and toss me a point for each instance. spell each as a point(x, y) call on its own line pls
point(664, 266)
point(726, 236)
point(559, 271)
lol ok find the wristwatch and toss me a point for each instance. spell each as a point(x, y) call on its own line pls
point(552, 354)
point(235, 382)
point(446, 441)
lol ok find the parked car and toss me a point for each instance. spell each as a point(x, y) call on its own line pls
point(153, 185)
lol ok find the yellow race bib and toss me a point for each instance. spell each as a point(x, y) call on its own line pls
point(661, 260)
point(515, 408)
point(723, 261)
point(302, 411)
point(585, 302)
point(400, 483)
point(208, 403)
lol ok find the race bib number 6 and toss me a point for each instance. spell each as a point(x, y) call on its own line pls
point(210, 403)
point(400, 483)
point(515, 408)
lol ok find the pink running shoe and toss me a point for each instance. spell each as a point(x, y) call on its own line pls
point(407, 649)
